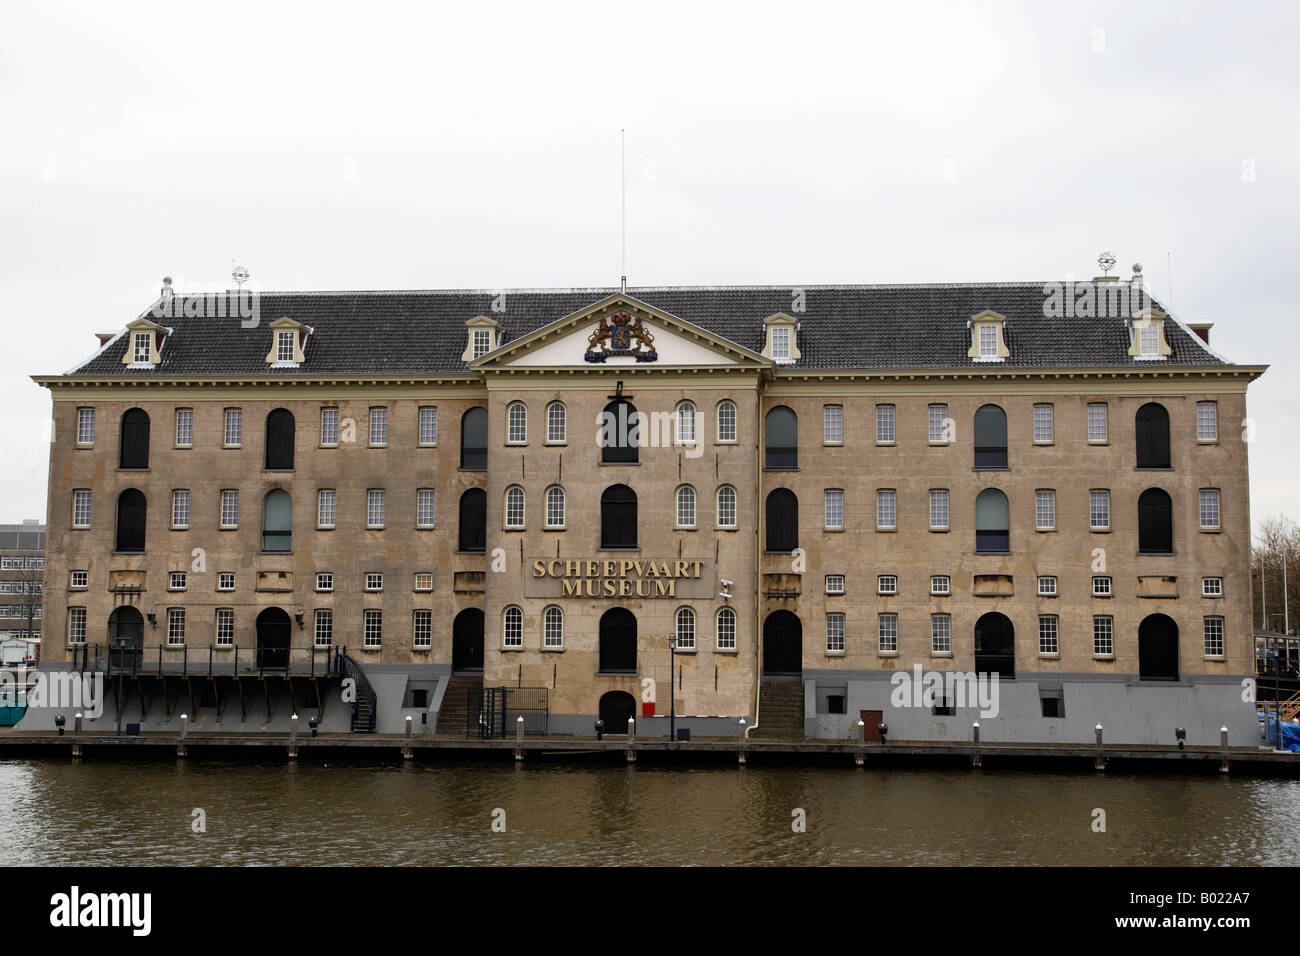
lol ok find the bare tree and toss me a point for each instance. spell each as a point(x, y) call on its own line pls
point(1277, 546)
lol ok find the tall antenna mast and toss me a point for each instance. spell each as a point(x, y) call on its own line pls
point(622, 167)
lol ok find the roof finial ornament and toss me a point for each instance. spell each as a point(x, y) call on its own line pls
point(239, 274)
point(1106, 261)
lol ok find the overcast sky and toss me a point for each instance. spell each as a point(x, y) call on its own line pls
point(387, 146)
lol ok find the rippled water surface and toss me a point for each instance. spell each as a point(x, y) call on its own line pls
point(124, 812)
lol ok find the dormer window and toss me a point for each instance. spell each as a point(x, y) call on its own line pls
point(782, 345)
point(284, 346)
point(988, 341)
point(1147, 332)
point(483, 337)
point(288, 341)
point(144, 342)
point(482, 342)
point(140, 346)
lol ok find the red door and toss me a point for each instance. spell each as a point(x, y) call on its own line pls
point(871, 719)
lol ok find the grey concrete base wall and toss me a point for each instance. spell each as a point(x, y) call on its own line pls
point(1130, 711)
point(584, 725)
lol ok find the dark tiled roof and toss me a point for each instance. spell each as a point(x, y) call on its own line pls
point(841, 327)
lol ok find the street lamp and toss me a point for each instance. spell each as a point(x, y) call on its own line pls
point(121, 659)
point(672, 686)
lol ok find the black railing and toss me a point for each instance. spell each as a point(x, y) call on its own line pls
point(365, 703)
point(221, 660)
point(493, 711)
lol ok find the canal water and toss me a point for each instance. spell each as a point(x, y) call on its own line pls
point(130, 812)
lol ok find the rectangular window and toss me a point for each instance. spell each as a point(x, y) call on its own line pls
point(176, 581)
point(230, 508)
point(1207, 421)
point(940, 634)
point(834, 584)
point(85, 426)
point(1214, 637)
point(284, 346)
point(423, 631)
point(326, 507)
point(833, 424)
point(234, 427)
point(1099, 510)
point(375, 506)
point(834, 633)
point(329, 426)
point(1043, 432)
point(379, 426)
point(887, 584)
point(887, 629)
point(1103, 642)
point(374, 628)
point(988, 341)
point(884, 424)
point(140, 351)
point(76, 625)
point(225, 627)
point(424, 514)
point(939, 508)
point(78, 579)
point(1101, 586)
point(374, 582)
point(226, 581)
point(1212, 587)
point(1046, 585)
point(939, 431)
point(1149, 338)
point(424, 581)
point(1048, 634)
point(180, 508)
point(834, 508)
point(1097, 432)
point(175, 625)
point(781, 344)
point(324, 581)
point(940, 585)
point(1209, 507)
point(428, 425)
point(482, 342)
point(1045, 510)
point(185, 427)
point(81, 509)
point(324, 627)
point(886, 513)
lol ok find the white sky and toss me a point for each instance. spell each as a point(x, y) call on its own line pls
point(375, 146)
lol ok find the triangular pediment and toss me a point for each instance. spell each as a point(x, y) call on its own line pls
point(617, 332)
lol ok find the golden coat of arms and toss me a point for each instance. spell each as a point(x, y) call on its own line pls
point(621, 335)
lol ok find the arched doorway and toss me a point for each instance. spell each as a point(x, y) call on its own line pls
point(273, 638)
point(995, 645)
point(125, 637)
point(467, 641)
point(618, 641)
point(782, 644)
point(616, 708)
point(1157, 648)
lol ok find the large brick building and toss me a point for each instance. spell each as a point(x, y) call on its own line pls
point(810, 490)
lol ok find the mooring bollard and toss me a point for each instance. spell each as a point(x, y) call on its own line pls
point(76, 735)
point(519, 738)
point(180, 744)
point(1100, 762)
point(406, 747)
point(631, 733)
point(975, 739)
point(860, 758)
point(740, 750)
point(1223, 742)
point(293, 736)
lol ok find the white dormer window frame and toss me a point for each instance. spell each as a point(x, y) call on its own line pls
point(288, 342)
point(988, 338)
point(284, 346)
point(782, 339)
point(1147, 342)
point(141, 346)
point(144, 344)
point(483, 337)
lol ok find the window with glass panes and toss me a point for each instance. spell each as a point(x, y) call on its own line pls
point(1207, 421)
point(514, 507)
point(517, 423)
point(1097, 422)
point(428, 425)
point(1047, 585)
point(234, 433)
point(176, 581)
point(1214, 637)
point(81, 509)
point(176, 625)
point(834, 632)
point(833, 424)
point(1048, 635)
point(226, 581)
point(482, 342)
point(424, 580)
point(1209, 507)
point(329, 426)
point(513, 628)
point(834, 584)
point(988, 341)
point(726, 421)
point(940, 584)
point(884, 424)
point(780, 343)
point(374, 628)
point(140, 347)
point(379, 426)
point(1045, 510)
point(76, 625)
point(1042, 423)
point(324, 627)
point(1103, 636)
point(939, 423)
point(78, 579)
point(423, 631)
point(886, 512)
point(324, 581)
point(834, 508)
point(553, 627)
point(326, 507)
point(229, 508)
point(557, 424)
point(376, 502)
point(940, 634)
point(1099, 509)
point(685, 629)
point(185, 427)
point(1212, 587)
point(424, 507)
point(1101, 586)
point(939, 508)
point(85, 426)
point(726, 507)
point(555, 516)
point(686, 424)
point(726, 629)
point(686, 507)
point(887, 632)
point(180, 508)
point(374, 581)
point(284, 347)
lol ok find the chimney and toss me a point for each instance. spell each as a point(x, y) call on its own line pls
point(104, 338)
point(166, 292)
point(1202, 330)
point(1137, 275)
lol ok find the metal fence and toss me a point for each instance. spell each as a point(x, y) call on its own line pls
point(493, 711)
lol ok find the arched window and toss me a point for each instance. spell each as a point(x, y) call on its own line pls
point(277, 522)
point(782, 438)
point(726, 639)
point(279, 440)
point(782, 521)
point(514, 507)
point(618, 641)
point(726, 420)
point(1155, 522)
point(131, 513)
point(685, 629)
point(686, 423)
point(473, 439)
point(517, 423)
point(618, 517)
point(557, 424)
point(512, 627)
point(1152, 427)
point(620, 433)
point(473, 521)
point(990, 437)
point(135, 439)
point(726, 507)
point(553, 627)
point(686, 507)
point(992, 521)
point(555, 507)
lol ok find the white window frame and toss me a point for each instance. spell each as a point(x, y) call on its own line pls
point(376, 508)
point(887, 585)
point(940, 633)
point(1103, 635)
point(327, 508)
point(177, 581)
point(1211, 517)
point(426, 507)
point(514, 508)
point(941, 436)
point(886, 509)
point(482, 342)
point(284, 345)
point(833, 499)
point(781, 343)
point(556, 507)
point(427, 426)
point(184, 428)
point(835, 584)
point(553, 628)
point(233, 435)
point(329, 426)
point(557, 423)
point(1044, 423)
point(684, 507)
point(1049, 635)
point(1103, 585)
point(723, 640)
point(934, 584)
point(1207, 422)
point(685, 421)
point(224, 627)
point(684, 628)
point(85, 426)
point(886, 424)
point(180, 508)
point(77, 626)
point(1210, 639)
point(229, 508)
point(988, 340)
point(1096, 495)
point(374, 582)
point(1212, 590)
point(324, 581)
point(1045, 509)
point(76, 583)
point(727, 430)
point(835, 632)
point(141, 347)
point(176, 627)
point(422, 628)
point(222, 586)
point(81, 515)
point(516, 424)
point(427, 585)
point(323, 625)
point(832, 424)
point(1047, 585)
point(887, 633)
point(721, 508)
point(512, 627)
point(1098, 423)
point(379, 426)
point(939, 509)
point(372, 627)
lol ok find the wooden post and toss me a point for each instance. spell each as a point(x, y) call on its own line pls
point(740, 750)
point(519, 738)
point(860, 758)
point(76, 735)
point(180, 744)
point(1100, 762)
point(1223, 742)
point(406, 747)
point(975, 739)
point(631, 734)
point(293, 737)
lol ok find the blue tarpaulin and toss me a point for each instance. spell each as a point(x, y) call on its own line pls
point(1290, 734)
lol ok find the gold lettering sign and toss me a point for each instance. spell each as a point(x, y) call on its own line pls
point(615, 579)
